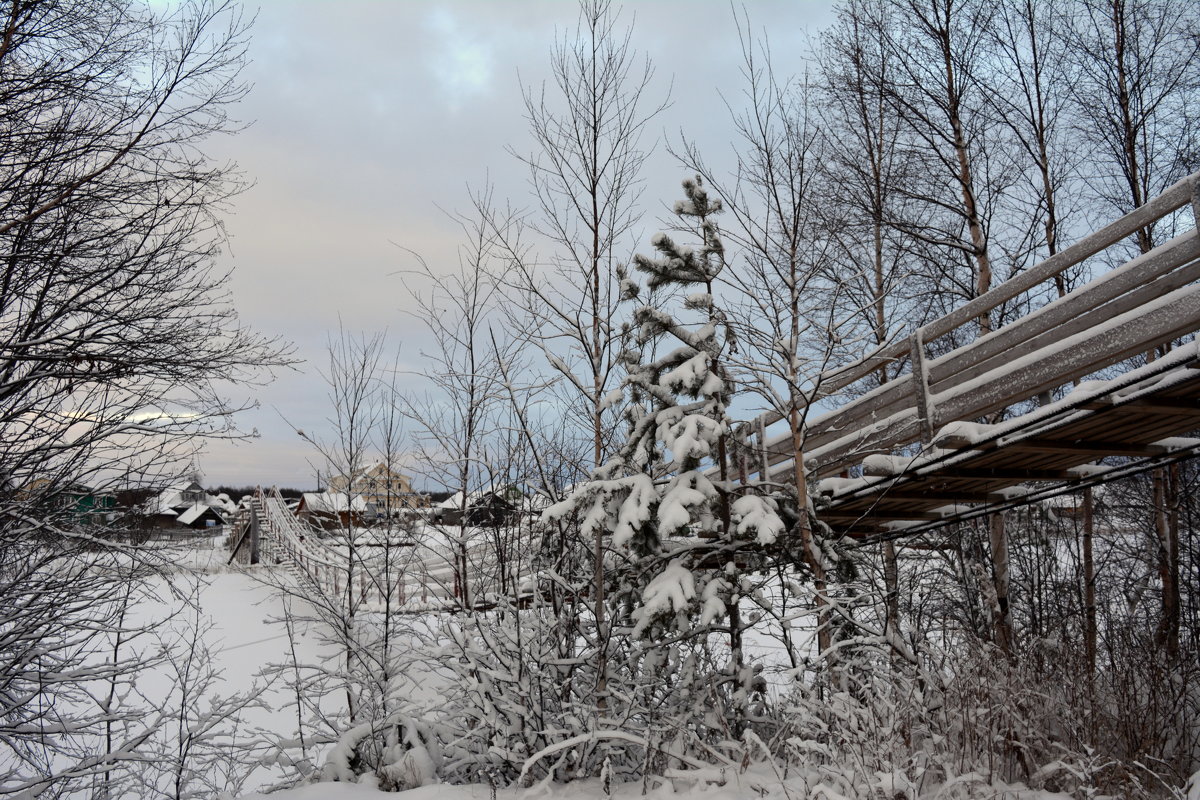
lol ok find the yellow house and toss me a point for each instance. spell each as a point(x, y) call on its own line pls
point(384, 488)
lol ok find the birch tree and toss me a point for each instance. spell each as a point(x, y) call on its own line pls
point(453, 423)
point(1140, 62)
point(867, 161)
point(783, 295)
point(588, 125)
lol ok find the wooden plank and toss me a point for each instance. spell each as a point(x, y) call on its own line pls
point(1089, 448)
point(876, 517)
point(880, 403)
point(1128, 335)
point(840, 454)
point(854, 528)
point(1009, 475)
point(1136, 283)
point(1150, 405)
point(1079, 325)
point(937, 496)
point(920, 386)
point(1170, 200)
point(1173, 198)
point(953, 484)
point(1073, 357)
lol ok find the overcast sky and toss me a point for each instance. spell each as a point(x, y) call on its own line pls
point(370, 118)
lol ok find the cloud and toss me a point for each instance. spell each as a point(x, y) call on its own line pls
point(460, 62)
point(361, 135)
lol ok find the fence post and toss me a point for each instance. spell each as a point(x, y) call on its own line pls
point(1196, 204)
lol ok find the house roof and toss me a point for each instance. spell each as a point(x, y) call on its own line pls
point(332, 502)
point(538, 501)
point(170, 501)
point(507, 494)
point(380, 468)
point(196, 511)
point(377, 471)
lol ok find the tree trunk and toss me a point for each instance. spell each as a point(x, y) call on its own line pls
point(1166, 530)
point(1089, 584)
point(998, 534)
point(812, 555)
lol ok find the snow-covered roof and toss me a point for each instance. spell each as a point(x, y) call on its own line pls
point(379, 468)
point(223, 502)
point(538, 501)
point(171, 502)
point(333, 502)
point(453, 501)
point(164, 502)
point(195, 511)
point(507, 492)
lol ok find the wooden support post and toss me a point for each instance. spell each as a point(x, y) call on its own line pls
point(1089, 584)
point(1166, 530)
point(254, 553)
point(891, 596)
point(764, 462)
point(920, 381)
point(1196, 204)
point(998, 539)
point(740, 448)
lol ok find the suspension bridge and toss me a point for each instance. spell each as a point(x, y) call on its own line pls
point(373, 568)
point(1101, 383)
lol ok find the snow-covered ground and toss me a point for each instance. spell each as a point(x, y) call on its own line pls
point(757, 782)
point(236, 614)
point(242, 640)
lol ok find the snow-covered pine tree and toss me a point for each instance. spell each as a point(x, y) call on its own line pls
point(666, 497)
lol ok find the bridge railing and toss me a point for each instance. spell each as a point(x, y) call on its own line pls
point(426, 579)
point(1145, 302)
point(284, 538)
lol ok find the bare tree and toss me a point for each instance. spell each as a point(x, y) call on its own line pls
point(350, 374)
point(782, 313)
point(588, 128)
point(1140, 61)
point(869, 166)
point(117, 338)
point(1032, 88)
point(940, 48)
point(867, 162)
point(453, 421)
point(1135, 99)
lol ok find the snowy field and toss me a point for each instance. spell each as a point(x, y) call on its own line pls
point(243, 637)
point(236, 615)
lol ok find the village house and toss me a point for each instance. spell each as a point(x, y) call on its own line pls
point(83, 504)
point(187, 506)
point(386, 490)
point(332, 510)
point(483, 507)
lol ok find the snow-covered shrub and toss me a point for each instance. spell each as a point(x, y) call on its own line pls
point(520, 684)
point(409, 758)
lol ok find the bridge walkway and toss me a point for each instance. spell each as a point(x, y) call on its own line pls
point(1097, 384)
